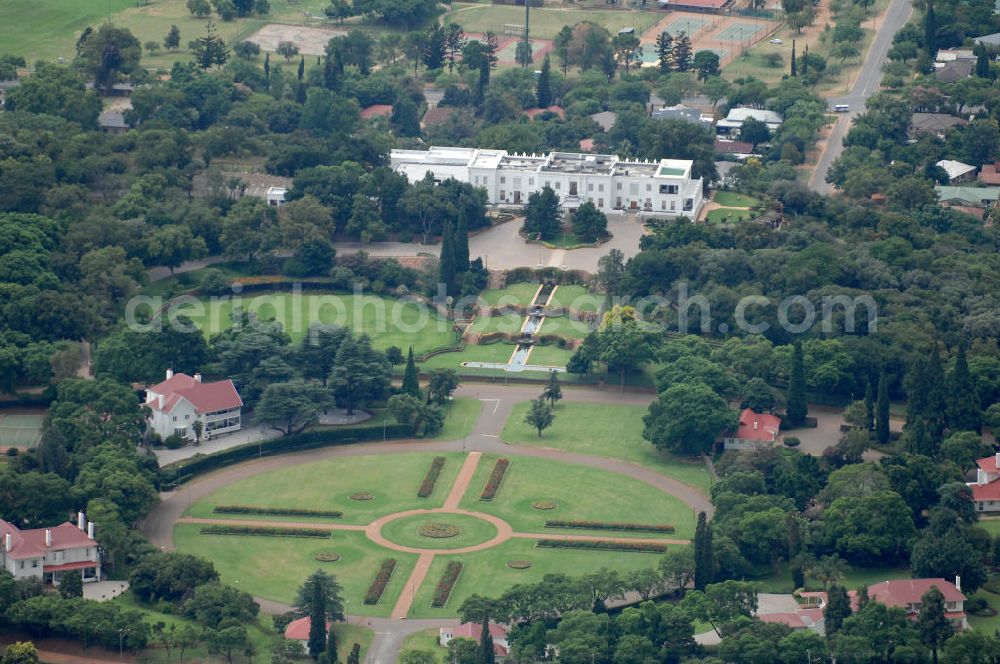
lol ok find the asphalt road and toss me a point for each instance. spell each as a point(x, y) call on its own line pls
point(866, 84)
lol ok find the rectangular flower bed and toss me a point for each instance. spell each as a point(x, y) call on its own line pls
point(431, 478)
point(447, 583)
point(611, 525)
point(496, 478)
point(265, 531)
point(603, 545)
point(381, 580)
point(277, 511)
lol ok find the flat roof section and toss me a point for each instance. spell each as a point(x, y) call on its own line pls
point(578, 162)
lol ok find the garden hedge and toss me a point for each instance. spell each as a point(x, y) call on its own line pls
point(277, 511)
point(442, 592)
point(496, 478)
point(431, 478)
point(265, 531)
point(182, 471)
point(611, 525)
point(603, 545)
point(381, 580)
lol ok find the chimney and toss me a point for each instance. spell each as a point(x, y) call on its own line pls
point(48, 537)
point(958, 583)
point(755, 423)
point(170, 374)
point(197, 377)
point(81, 521)
point(160, 404)
point(8, 542)
point(90, 529)
point(996, 460)
point(980, 477)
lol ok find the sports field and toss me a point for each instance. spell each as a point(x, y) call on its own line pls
point(546, 22)
point(24, 430)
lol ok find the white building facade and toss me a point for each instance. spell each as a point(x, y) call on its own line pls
point(50, 553)
point(664, 188)
point(181, 400)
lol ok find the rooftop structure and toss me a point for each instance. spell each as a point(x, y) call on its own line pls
point(956, 170)
point(980, 197)
point(181, 400)
point(754, 430)
point(48, 553)
point(934, 124)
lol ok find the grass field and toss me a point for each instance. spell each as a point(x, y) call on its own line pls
point(546, 23)
point(605, 430)
point(992, 526)
point(566, 326)
point(781, 581)
point(727, 216)
point(274, 567)
point(486, 572)
point(507, 324)
point(576, 297)
point(427, 641)
point(460, 417)
point(393, 480)
point(581, 493)
point(472, 531)
point(732, 199)
point(48, 28)
point(520, 293)
point(388, 322)
point(549, 356)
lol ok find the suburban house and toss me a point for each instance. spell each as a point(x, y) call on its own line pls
point(665, 187)
point(49, 553)
point(957, 171)
point(989, 174)
point(733, 122)
point(112, 121)
point(700, 6)
point(436, 115)
point(906, 594)
point(955, 70)
point(739, 149)
point(988, 40)
point(376, 111)
point(754, 430)
point(953, 54)
point(275, 196)
point(978, 197)
point(298, 630)
point(605, 119)
point(682, 112)
point(986, 488)
point(932, 124)
point(181, 400)
point(474, 631)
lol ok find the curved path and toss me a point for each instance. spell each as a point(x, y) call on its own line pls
point(498, 400)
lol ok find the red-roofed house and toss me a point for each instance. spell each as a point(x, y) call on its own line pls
point(298, 630)
point(180, 400)
point(989, 174)
point(754, 430)
point(986, 488)
point(376, 111)
point(906, 594)
point(48, 553)
point(474, 631)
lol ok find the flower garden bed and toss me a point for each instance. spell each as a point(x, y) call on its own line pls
point(327, 556)
point(544, 505)
point(265, 531)
point(519, 564)
point(439, 530)
point(431, 478)
point(495, 480)
point(277, 511)
point(442, 592)
point(611, 525)
point(361, 495)
point(602, 545)
point(379, 583)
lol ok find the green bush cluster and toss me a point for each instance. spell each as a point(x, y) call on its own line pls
point(611, 525)
point(603, 545)
point(277, 511)
point(265, 531)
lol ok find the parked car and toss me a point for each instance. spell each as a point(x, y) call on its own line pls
point(775, 41)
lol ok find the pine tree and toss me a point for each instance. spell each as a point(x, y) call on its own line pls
point(330, 652)
point(682, 52)
point(446, 262)
point(933, 625)
point(355, 656)
point(805, 61)
point(930, 30)
point(919, 439)
point(540, 416)
point(173, 39)
point(869, 407)
point(798, 408)
point(664, 51)
point(963, 401)
point(461, 243)
point(411, 382)
point(553, 392)
point(793, 71)
point(543, 91)
point(484, 81)
point(982, 62)
point(487, 655)
point(317, 622)
point(302, 67)
point(838, 609)
point(267, 65)
point(704, 560)
point(882, 410)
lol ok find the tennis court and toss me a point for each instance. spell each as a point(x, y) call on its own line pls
point(20, 430)
point(738, 32)
point(508, 51)
point(686, 24)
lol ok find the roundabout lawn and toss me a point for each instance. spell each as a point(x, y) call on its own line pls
point(581, 493)
point(471, 531)
point(274, 567)
point(392, 479)
point(606, 430)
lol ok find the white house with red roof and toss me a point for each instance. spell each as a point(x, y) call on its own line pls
point(906, 594)
point(474, 631)
point(49, 553)
point(754, 430)
point(986, 488)
point(181, 400)
point(298, 630)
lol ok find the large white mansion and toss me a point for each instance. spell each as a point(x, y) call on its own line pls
point(663, 188)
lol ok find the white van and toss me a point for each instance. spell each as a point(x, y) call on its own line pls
point(841, 108)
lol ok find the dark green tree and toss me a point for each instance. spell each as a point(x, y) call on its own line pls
point(71, 584)
point(869, 407)
point(290, 407)
point(982, 62)
point(435, 48)
point(704, 559)
point(882, 410)
point(411, 381)
point(664, 51)
point(267, 65)
point(317, 622)
point(793, 71)
point(553, 392)
point(487, 654)
point(930, 30)
point(934, 626)
point(330, 651)
point(589, 223)
point(798, 408)
point(543, 90)
point(837, 610)
point(964, 413)
point(302, 67)
point(355, 656)
point(541, 215)
point(682, 52)
point(173, 39)
point(539, 416)
point(404, 119)
point(446, 261)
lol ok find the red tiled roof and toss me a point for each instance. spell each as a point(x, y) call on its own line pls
point(981, 492)
point(793, 620)
point(298, 630)
point(475, 631)
point(437, 115)
point(587, 144)
point(757, 426)
point(988, 174)
point(83, 564)
point(900, 592)
point(376, 111)
point(31, 543)
point(988, 464)
point(732, 147)
point(205, 397)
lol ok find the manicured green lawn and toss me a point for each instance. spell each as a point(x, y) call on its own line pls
point(781, 581)
point(507, 323)
point(486, 572)
point(605, 430)
point(574, 296)
point(581, 493)
point(427, 641)
point(494, 352)
point(992, 526)
point(549, 355)
point(728, 215)
point(460, 417)
point(520, 293)
point(545, 23)
point(732, 199)
point(472, 531)
point(48, 29)
point(987, 624)
point(566, 326)
point(387, 321)
point(274, 567)
point(393, 480)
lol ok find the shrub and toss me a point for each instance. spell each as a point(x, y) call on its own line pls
point(277, 511)
point(381, 580)
point(792, 441)
point(496, 478)
point(519, 564)
point(611, 525)
point(431, 478)
point(544, 505)
point(327, 556)
point(174, 442)
point(603, 545)
point(447, 583)
point(439, 530)
point(265, 531)
point(361, 495)
point(993, 586)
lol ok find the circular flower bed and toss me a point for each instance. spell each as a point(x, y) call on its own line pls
point(327, 556)
point(544, 505)
point(439, 530)
point(361, 495)
point(519, 564)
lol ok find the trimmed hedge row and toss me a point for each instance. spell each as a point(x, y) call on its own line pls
point(277, 511)
point(611, 525)
point(496, 478)
point(381, 580)
point(431, 478)
point(604, 545)
point(182, 471)
point(447, 583)
point(266, 531)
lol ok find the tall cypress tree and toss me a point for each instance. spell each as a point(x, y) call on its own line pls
point(936, 409)
point(484, 81)
point(487, 655)
point(543, 91)
point(793, 70)
point(446, 262)
point(930, 30)
point(461, 242)
point(982, 62)
point(932, 623)
point(798, 408)
point(882, 409)
point(963, 401)
point(411, 382)
point(805, 61)
point(302, 67)
point(704, 561)
point(267, 65)
point(869, 407)
point(330, 652)
point(664, 51)
point(317, 622)
point(838, 609)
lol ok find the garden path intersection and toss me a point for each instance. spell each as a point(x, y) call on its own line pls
point(498, 401)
